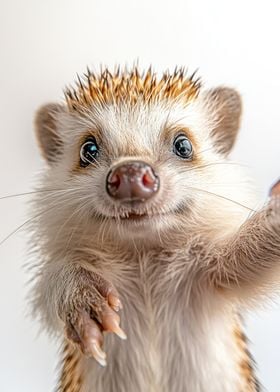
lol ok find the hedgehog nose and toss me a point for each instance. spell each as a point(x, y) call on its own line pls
point(132, 181)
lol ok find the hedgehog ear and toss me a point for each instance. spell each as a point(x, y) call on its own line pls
point(46, 128)
point(225, 109)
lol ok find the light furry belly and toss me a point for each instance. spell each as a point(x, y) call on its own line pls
point(177, 353)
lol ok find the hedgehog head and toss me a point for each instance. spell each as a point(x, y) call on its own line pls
point(140, 152)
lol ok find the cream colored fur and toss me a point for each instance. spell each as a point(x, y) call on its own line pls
point(182, 276)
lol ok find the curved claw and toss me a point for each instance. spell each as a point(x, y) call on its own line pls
point(110, 321)
point(98, 354)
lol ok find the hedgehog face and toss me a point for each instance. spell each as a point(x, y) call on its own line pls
point(137, 165)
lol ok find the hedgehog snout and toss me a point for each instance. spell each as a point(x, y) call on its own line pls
point(132, 181)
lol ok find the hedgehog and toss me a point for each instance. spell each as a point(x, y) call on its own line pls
point(147, 237)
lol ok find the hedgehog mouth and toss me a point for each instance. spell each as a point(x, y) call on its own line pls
point(134, 216)
point(143, 216)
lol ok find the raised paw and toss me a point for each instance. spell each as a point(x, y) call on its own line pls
point(275, 190)
point(273, 210)
point(90, 310)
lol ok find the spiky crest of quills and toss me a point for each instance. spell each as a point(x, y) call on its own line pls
point(130, 86)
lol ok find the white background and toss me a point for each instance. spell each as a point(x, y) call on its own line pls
point(42, 46)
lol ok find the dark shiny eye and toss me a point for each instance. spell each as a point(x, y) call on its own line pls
point(89, 152)
point(183, 147)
